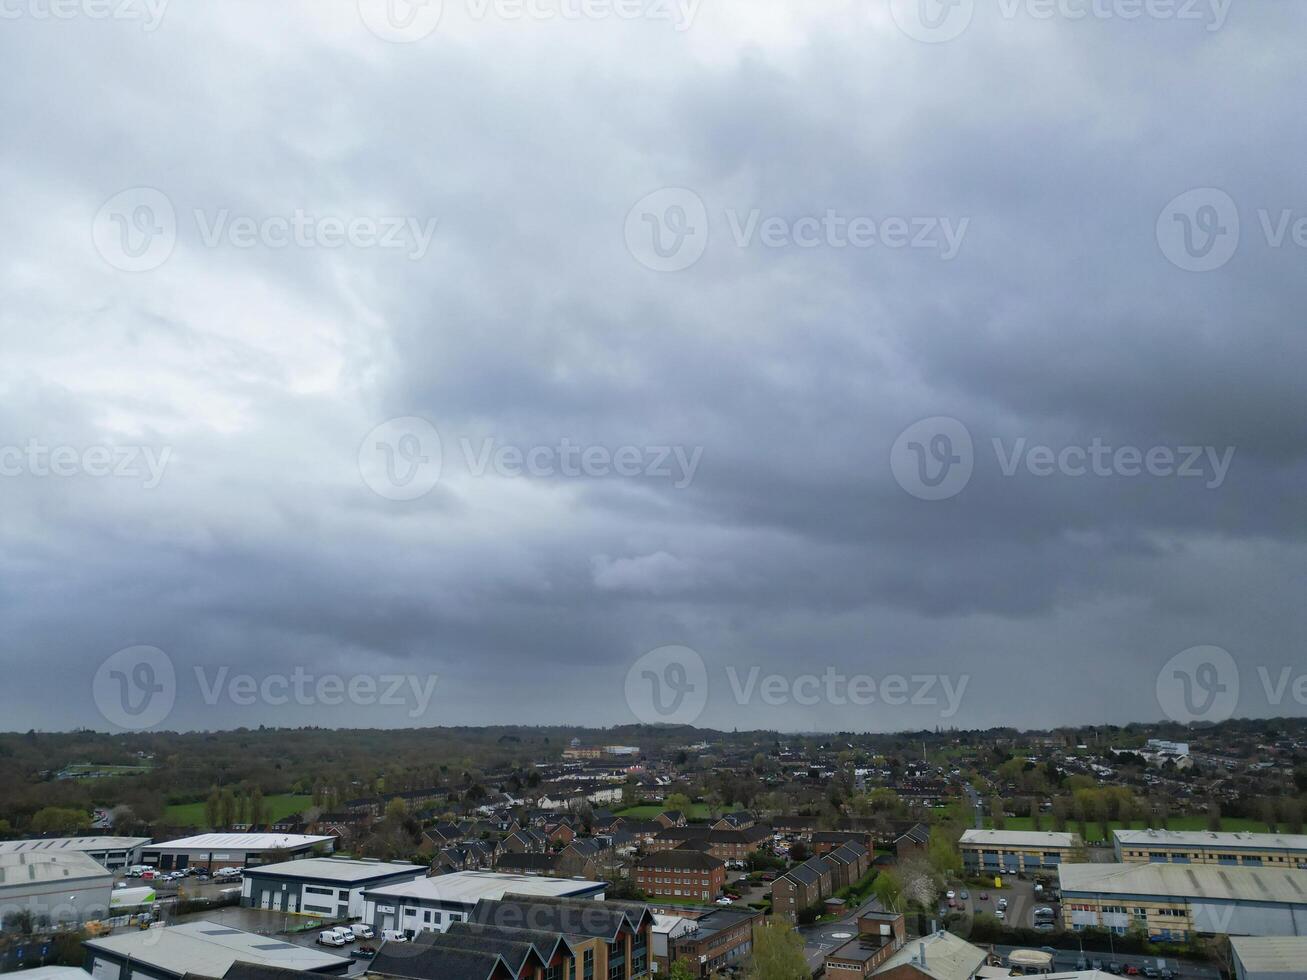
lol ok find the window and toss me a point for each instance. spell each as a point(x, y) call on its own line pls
point(588, 968)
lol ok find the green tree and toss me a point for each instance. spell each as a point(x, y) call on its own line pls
point(778, 953)
point(212, 809)
point(60, 819)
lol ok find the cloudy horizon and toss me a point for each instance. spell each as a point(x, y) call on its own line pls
point(862, 365)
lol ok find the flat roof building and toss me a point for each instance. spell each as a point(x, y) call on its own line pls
point(111, 852)
point(214, 851)
point(1016, 851)
point(1269, 957)
point(205, 948)
point(433, 904)
point(1173, 902)
point(1197, 847)
point(53, 886)
point(329, 887)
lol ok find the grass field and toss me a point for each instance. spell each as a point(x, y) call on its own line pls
point(276, 807)
point(647, 811)
point(1199, 822)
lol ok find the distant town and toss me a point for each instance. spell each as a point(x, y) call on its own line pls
point(566, 854)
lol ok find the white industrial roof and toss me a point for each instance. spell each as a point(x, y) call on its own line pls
point(469, 887)
point(240, 842)
point(1018, 838)
point(1198, 839)
point(338, 869)
point(21, 868)
point(209, 949)
point(1270, 954)
point(947, 957)
point(73, 844)
point(1207, 881)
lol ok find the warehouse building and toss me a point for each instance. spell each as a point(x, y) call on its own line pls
point(433, 904)
point(204, 948)
point(1269, 957)
point(1015, 851)
point(53, 886)
point(1196, 847)
point(113, 853)
point(214, 851)
point(1173, 902)
point(330, 887)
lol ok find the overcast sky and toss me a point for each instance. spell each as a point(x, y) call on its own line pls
point(510, 348)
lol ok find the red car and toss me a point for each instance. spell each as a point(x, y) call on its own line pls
point(984, 896)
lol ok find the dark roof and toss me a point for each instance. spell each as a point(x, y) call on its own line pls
point(586, 847)
point(694, 844)
point(678, 859)
point(748, 835)
point(546, 943)
point(836, 836)
point(918, 834)
point(569, 916)
point(809, 872)
point(526, 862)
point(425, 962)
point(259, 971)
point(517, 953)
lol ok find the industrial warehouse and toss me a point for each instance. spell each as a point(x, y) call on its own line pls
point(1206, 847)
point(331, 887)
point(1173, 902)
point(110, 852)
point(53, 886)
point(214, 851)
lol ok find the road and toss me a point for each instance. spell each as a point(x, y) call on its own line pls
point(818, 940)
point(977, 810)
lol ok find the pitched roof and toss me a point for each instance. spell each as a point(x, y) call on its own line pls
point(424, 962)
point(678, 860)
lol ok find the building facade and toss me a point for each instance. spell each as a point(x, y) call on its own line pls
point(1015, 851)
point(1231, 850)
point(681, 874)
point(328, 887)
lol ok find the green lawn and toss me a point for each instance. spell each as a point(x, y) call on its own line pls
point(276, 807)
point(1199, 822)
point(647, 811)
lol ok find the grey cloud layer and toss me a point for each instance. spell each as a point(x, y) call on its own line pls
point(527, 321)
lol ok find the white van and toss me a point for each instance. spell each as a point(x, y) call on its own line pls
point(344, 933)
point(361, 931)
point(393, 936)
point(330, 937)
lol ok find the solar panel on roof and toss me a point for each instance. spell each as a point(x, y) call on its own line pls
point(272, 946)
point(220, 932)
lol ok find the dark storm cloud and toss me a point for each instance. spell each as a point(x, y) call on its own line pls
point(790, 371)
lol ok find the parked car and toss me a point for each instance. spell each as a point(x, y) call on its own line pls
point(1000, 914)
point(950, 894)
point(1114, 967)
point(725, 901)
point(330, 937)
point(964, 895)
point(1152, 971)
point(393, 936)
point(362, 931)
point(984, 896)
point(344, 933)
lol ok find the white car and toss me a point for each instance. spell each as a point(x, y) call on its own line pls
point(1000, 914)
point(725, 901)
point(950, 894)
